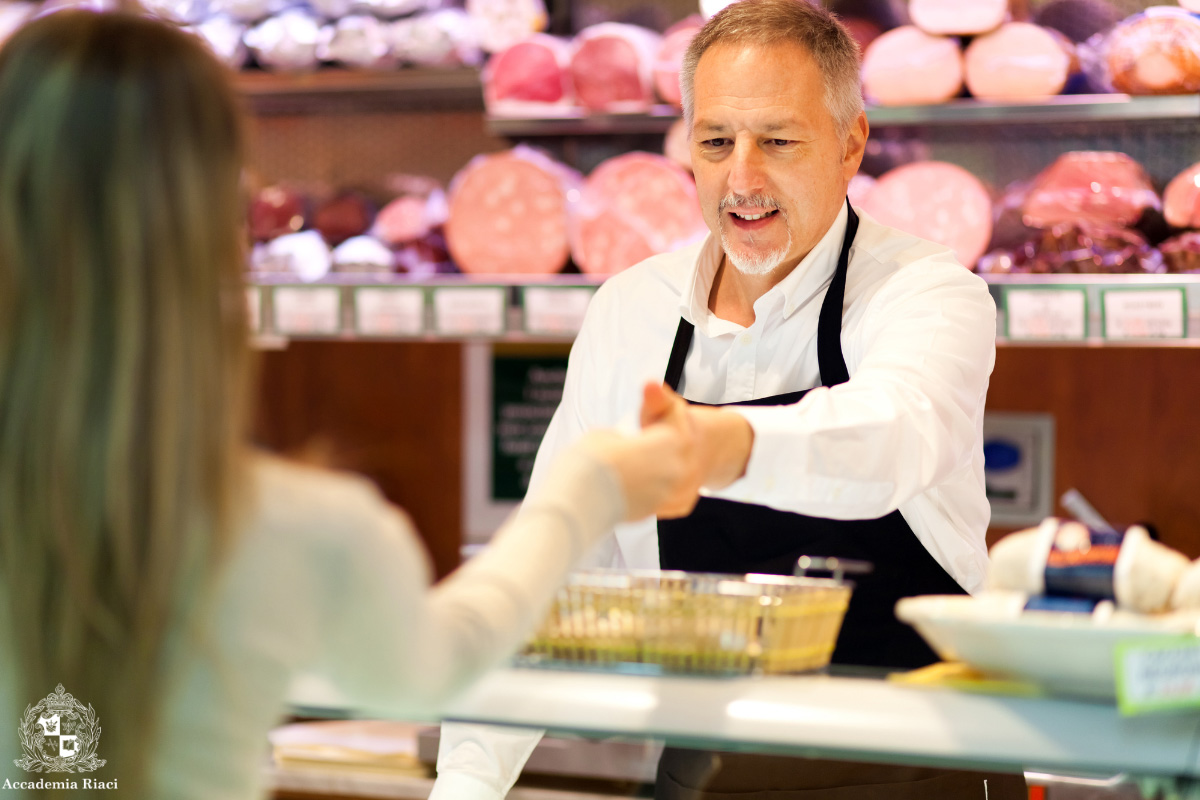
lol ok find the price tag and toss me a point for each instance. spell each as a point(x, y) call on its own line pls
point(1040, 314)
point(382, 311)
point(254, 308)
point(473, 311)
point(555, 310)
point(1144, 313)
point(308, 310)
point(1159, 674)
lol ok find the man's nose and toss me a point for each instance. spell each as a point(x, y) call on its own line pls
point(747, 173)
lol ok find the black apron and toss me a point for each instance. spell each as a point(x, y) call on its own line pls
point(733, 537)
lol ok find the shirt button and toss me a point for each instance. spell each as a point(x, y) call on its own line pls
point(747, 338)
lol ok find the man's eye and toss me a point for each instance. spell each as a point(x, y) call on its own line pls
point(716, 142)
point(781, 142)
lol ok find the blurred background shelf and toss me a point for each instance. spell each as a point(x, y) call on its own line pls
point(342, 90)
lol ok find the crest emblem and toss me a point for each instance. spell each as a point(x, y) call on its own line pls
point(59, 735)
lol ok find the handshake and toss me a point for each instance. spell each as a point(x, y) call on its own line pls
point(680, 449)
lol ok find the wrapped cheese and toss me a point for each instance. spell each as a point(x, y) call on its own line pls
point(1068, 559)
point(1156, 52)
point(907, 66)
point(1018, 61)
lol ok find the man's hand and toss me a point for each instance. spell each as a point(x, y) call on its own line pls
point(723, 441)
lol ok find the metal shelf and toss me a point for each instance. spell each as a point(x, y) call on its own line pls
point(342, 90)
point(506, 311)
point(1061, 109)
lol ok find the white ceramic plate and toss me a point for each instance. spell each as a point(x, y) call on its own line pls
point(1070, 654)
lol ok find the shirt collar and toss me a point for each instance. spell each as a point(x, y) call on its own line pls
point(799, 287)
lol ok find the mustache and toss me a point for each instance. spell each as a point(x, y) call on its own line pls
point(748, 201)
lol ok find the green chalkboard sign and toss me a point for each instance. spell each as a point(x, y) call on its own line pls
point(525, 392)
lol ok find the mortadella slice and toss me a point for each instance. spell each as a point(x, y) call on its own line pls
point(1181, 200)
point(1102, 187)
point(612, 67)
point(633, 206)
point(668, 61)
point(529, 77)
point(907, 66)
point(1018, 61)
point(956, 17)
point(937, 201)
point(508, 214)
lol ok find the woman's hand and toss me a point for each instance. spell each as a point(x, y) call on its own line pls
point(656, 467)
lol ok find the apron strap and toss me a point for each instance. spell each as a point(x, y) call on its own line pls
point(829, 326)
point(679, 351)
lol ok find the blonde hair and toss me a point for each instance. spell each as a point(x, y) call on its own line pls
point(770, 22)
point(123, 357)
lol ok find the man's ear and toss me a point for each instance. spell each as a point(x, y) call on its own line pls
point(855, 145)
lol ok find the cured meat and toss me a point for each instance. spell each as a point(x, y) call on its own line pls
point(1181, 200)
point(1103, 187)
point(1076, 247)
point(528, 76)
point(276, 211)
point(612, 67)
point(937, 201)
point(907, 66)
point(957, 18)
point(668, 62)
point(348, 214)
point(860, 189)
point(1157, 52)
point(1018, 61)
point(508, 214)
point(632, 207)
point(677, 145)
point(1181, 253)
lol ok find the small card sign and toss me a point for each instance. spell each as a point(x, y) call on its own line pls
point(254, 308)
point(1158, 674)
point(382, 311)
point(1131, 314)
point(555, 310)
point(308, 310)
point(469, 311)
point(1045, 314)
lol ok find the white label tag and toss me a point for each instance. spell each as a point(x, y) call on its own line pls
point(1046, 313)
point(555, 310)
point(254, 308)
point(1144, 314)
point(389, 312)
point(475, 311)
point(308, 310)
point(1158, 675)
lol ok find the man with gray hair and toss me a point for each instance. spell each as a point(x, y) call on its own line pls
point(850, 362)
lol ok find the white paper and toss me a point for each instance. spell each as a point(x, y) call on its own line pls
point(308, 311)
point(556, 310)
point(474, 311)
point(1144, 314)
point(389, 312)
point(1167, 675)
point(1035, 314)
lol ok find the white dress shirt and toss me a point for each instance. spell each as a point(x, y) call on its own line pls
point(905, 432)
point(327, 578)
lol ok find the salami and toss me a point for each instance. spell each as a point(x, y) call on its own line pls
point(1101, 187)
point(508, 214)
point(937, 201)
point(530, 76)
point(612, 67)
point(1018, 61)
point(1157, 52)
point(632, 207)
point(668, 61)
point(1181, 200)
point(907, 66)
point(956, 18)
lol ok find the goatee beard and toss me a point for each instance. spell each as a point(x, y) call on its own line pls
point(755, 264)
